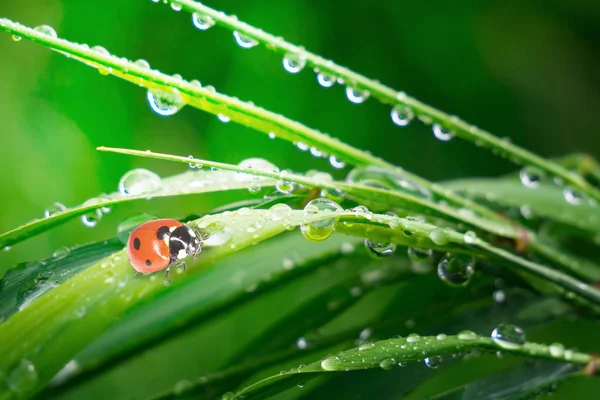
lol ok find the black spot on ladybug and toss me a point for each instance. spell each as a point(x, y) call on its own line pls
point(148, 262)
point(136, 243)
point(162, 231)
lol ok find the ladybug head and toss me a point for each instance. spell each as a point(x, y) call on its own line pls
point(184, 241)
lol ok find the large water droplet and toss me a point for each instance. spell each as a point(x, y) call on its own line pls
point(46, 30)
point(441, 133)
point(402, 115)
point(90, 220)
point(508, 336)
point(165, 103)
point(456, 269)
point(531, 177)
point(419, 254)
point(571, 196)
point(388, 364)
point(413, 338)
point(556, 350)
point(356, 96)
point(244, 41)
point(433, 361)
point(217, 239)
point(293, 63)
point(467, 335)
point(223, 118)
point(55, 208)
point(142, 63)
point(176, 6)
point(22, 377)
point(380, 249)
point(202, 22)
point(439, 236)
point(321, 230)
point(139, 181)
point(336, 163)
point(325, 80)
point(284, 186)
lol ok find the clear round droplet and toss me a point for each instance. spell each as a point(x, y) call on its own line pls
point(142, 63)
point(456, 269)
point(176, 6)
point(380, 249)
point(244, 41)
point(336, 163)
point(61, 253)
point(467, 335)
point(223, 118)
point(556, 350)
point(284, 187)
point(100, 50)
point(571, 196)
point(139, 181)
point(413, 338)
point(165, 103)
point(293, 63)
point(440, 133)
point(470, 237)
point(202, 22)
point(22, 377)
point(356, 96)
point(508, 336)
point(418, 254)
point(402, 115)
point(320, 230)
point(46, 30)
point(90, 220)
point(433, 361)
point(388, 364)
point(439, 236)
point(16, 38)
point(325, 80)
point(531, 177)
point(55, 208)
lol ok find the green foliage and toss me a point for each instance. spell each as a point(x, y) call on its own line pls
point(263, 309)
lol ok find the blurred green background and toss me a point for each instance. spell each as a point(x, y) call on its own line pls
point(527, 72)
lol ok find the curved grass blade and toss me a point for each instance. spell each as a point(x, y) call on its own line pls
point(386, 354)
point(245, 113)
point(186, 183)
point(387, 95)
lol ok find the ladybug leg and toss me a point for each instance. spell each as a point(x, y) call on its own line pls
point(167, 274)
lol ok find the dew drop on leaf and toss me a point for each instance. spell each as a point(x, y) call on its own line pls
point(380, 249)
point(531, 177)
point(336, 163)
point(202, 22)
point(244, 41)
point(325, 80)
point(388, 364)
point(142, 63)
point(442, 134)
point(139, 181)
point(55, 208)
point(293, 63)
point(413, 338)
point(22, 377)
point(402, 115)
point(439, 236)
point(320, 230)
point(571, 196)
point(284, 186)
point(356, 96)
point(16, 38)
point(456, 269)
point(418, 254)
point(90, 220)
point(508, 336)
point(165, 103)
point(176, 6)
point(46, 30)
point(467, 335)
point(433, 362)
point(223, 118)
point(556, 350)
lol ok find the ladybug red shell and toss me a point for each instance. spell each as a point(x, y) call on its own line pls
point(159, 244)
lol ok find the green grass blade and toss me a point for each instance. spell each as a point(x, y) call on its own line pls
point(387, 95)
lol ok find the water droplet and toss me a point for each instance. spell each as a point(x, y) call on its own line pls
point(556, 350)
point(61, 252)
point(272, 135)
point(467, 335)
point(413, 338)
point(284, 187)
point(356, 96)
point(508, 336)
point(470, 237)
point(244, 41)
point(142, 63)
point(202, 22)
point(531, 177)
point(217, 239)
point(320, 230)
point(380, 249)
point(293, 63)
point(433, 361)
point(302, 343)
point(439, 236)
point(336, 163)
point(499, 296)
point(366, 346)
point(22, 377)
point(46, 30)
point(165, 103)
point(441, 336)
point(442, 134)
point(16, 38)
point(402, 115)
point(90, 220)
point(325, 80)
point(139, 181)
point(55, 208)
point(301, 146)
point(223, 118)
point(388, 364)
point(419, 254)
point(456, 270)
point(571, 196)
point(176, 6)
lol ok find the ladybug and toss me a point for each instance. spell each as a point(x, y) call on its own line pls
point(162, 243)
